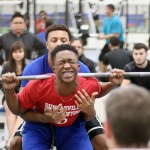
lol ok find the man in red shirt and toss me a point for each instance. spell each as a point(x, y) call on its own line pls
point(59, 94)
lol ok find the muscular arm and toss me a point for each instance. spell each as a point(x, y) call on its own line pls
point(106, 88)
point(13, 105)
point(10, 82)
point(13, 102)
point(33, 116)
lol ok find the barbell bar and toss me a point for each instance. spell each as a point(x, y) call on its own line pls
point(106, 74)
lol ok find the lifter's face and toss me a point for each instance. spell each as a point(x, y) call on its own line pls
point(66, 66)
point(139, 56)
point(56, 38)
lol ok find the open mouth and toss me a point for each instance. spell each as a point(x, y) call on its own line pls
point(67, 73)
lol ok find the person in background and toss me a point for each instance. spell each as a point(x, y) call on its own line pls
point(117, 57)
point(140, 64)
point(18, 33)
point(41, 35)
point(112, 27)
point(77, 42)
point(127, 124)
point(16, 63)
point(41, 21)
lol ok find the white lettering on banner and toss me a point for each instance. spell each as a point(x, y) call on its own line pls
point(71, 111)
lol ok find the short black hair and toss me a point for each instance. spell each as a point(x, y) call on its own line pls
point(17, 14)
point(114, 41)
point(111, 6)
point(43, 11)
point(55, 27)
point(138, 46)
point(63, 47)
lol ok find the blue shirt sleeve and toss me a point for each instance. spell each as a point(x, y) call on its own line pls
point(83, 68)
point(26, 72)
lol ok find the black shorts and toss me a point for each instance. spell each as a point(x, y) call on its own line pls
point(94, 127)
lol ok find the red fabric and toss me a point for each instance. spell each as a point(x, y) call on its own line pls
point(43, 26)
point(42, 93)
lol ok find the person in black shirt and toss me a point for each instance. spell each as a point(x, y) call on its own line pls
point(77, 42)
point(116, 58)
point(18, 33)
point(140, 64)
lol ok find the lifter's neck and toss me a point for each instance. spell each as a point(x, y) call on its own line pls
point(66, 89)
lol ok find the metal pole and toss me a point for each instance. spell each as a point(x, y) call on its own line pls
point(127, 22)
point(67, 13)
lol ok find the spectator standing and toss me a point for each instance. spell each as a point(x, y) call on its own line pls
point(18, 33)
point(41, 21)
point(112, 27)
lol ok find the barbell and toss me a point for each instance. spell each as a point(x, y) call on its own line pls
point(106, 74)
